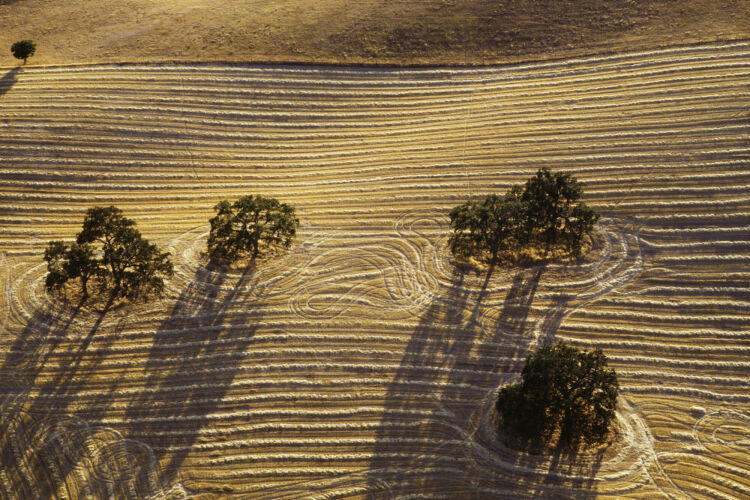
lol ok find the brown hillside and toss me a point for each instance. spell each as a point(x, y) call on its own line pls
point(368, 31)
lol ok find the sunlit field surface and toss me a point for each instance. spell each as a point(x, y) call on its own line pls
point(362, 362)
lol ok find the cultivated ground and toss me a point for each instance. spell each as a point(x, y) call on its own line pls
point(370, 31)
point(363, 363)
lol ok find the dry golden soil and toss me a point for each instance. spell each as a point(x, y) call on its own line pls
point(363, 363)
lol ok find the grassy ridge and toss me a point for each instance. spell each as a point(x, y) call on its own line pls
point(368, 31)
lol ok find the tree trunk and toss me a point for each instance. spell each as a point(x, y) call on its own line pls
point(255, 248)
point(117, 277)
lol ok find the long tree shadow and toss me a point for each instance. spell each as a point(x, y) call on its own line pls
point(39, 399)
point(48, 335)
point(195, 357)
point(57, 385)
point(65, 381)
point(431, 419)
point(562, 469)
point(8, 80)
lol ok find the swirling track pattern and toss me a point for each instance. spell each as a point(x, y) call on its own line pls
point(67, 458)
point(362, 363)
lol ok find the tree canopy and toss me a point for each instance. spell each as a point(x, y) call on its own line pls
point(110, 249)
point(545, 212)
point(66, 262)
point(248, 224)
point(23, 49)
point(552, 210)
point(488, 226)
point(564, 394)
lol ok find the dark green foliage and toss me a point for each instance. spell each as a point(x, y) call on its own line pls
point(117, 236)
point(241, 227)
point(23, 49)
point(135, 266)
point(70, 262)
point(565, 394)
point(491, 225)
point(122, 260)
point(553, 213)
point(545, 212)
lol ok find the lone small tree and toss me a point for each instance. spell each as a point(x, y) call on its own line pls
point(111, 249)
point(242, 227)
point(23, 49)
point(545, 212)
point(564, 394)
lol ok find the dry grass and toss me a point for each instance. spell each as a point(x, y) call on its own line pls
point(362, 362)
point(366, 31)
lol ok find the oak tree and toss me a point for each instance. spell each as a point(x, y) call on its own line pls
point(110, 249)
point(554, 214)
point(249, 224)
point(487, 226)
point(135, 266)
point(545, 212)
point(23, 49)
point(564, 394)
point(66, 262)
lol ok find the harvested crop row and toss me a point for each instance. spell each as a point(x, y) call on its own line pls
point(362, 362)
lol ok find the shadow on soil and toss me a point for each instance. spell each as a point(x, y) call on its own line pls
point(190, 365)
point(42, 440)
point(8, 80)
point(442, 451)
point(195, 358)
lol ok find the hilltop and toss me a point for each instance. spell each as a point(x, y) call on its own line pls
point(367, 31)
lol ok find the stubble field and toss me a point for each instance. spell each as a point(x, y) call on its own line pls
point(363, 363)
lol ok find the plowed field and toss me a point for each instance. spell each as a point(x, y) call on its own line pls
point(363, 363)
